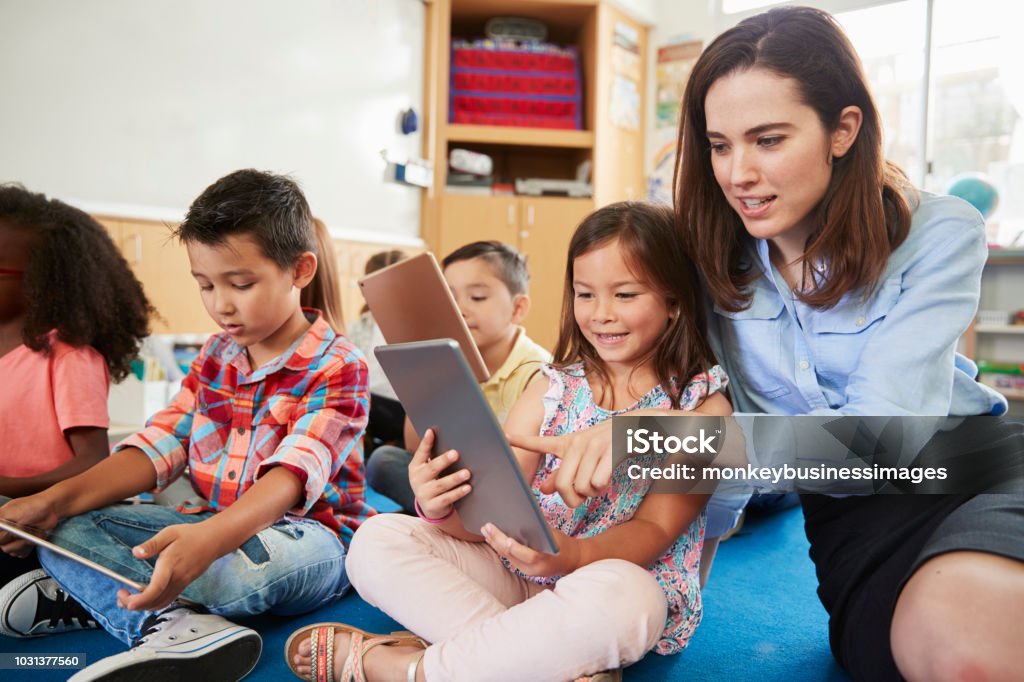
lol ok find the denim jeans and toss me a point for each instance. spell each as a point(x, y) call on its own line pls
point(387, 472)
point(292, 567)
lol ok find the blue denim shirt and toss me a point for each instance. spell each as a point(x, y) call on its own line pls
point(893, 353)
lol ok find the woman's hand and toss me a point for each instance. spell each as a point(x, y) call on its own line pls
point(586, 461)
point(531, 562)
point(435, 496)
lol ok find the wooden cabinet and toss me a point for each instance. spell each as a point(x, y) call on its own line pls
point(161, 264)
point(539, 226)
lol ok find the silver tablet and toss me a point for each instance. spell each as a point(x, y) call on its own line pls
point(27, 534)
point(33, 536)
point(438, 390)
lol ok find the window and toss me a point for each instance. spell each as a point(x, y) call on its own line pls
point(973, 121)
point(891, 42)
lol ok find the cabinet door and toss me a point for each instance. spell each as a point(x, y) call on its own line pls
point(547, 224)
point(468, 218)
point(113, 228)
point(161, 264)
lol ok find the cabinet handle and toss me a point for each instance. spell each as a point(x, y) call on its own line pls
point(511, 215)
point(529, 215)
point(524, 234)
point(136, 257)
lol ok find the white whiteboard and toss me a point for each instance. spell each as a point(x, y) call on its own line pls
point(146, 102)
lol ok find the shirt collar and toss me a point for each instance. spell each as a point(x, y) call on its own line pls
point(304, 353)
point(764, 255)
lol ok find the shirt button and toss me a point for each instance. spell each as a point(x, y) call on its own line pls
point(241, 430)
point(804, 364)
point(860, 321)
point(202, 406)
point(231, 475)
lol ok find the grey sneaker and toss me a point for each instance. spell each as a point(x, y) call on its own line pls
point(180, 644)
point(33, 605)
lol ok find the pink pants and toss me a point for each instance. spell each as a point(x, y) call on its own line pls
point(486, 623)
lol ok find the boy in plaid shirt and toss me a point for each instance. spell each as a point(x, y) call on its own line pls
point(268, 421)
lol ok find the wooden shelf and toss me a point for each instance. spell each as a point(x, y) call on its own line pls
point(525, 137)
point(1012, 256)
point(999, 328)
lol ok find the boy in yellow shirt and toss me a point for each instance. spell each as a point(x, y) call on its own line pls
point(489, 280)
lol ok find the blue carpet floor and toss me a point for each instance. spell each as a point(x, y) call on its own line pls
point(762, 620)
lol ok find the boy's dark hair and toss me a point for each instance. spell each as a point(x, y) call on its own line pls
point(509, 265)
point(76, 281)
point(272, 209)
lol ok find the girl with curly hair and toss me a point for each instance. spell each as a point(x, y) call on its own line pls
point(72, 316)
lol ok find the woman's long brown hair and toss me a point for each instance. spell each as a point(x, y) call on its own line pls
point(865, 213)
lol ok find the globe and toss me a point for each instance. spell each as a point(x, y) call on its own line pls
point(976, 189)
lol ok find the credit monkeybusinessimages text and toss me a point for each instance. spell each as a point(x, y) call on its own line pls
point(775, 475)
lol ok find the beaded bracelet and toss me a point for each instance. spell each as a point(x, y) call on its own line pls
point(419, 513)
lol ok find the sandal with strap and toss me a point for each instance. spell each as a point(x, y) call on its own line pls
point(321, 637)
point(603, 676)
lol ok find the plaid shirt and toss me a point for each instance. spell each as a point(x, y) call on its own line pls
point(305, 410)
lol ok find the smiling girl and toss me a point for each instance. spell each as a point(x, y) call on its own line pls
point(625, 580)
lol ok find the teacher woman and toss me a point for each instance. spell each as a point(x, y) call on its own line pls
point(836, 288)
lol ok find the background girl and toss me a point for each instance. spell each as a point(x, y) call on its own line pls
point(626, 577)
point(72, 315)
point(386, 414)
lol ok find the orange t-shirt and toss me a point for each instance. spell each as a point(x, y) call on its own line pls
point(44, 395)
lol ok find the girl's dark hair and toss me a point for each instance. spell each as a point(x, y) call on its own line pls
point(273, 211)
point(379, 261)
point(76, 281)
point(864, 214)
point(647, 237)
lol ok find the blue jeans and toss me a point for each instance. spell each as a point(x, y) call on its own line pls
point(387, 472)
point(292, 567)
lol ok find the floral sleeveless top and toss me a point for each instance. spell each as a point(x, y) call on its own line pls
point(569, 406)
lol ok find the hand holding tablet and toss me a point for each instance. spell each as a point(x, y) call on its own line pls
point(440, 392)
point(34, 536)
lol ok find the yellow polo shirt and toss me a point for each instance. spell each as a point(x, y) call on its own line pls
point(522, 365)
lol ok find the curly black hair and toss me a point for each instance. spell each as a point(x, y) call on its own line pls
point(76, 281)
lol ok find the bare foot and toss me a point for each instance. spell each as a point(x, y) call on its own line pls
point(383, 663)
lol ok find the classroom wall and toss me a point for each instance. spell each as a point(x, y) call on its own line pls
point(125, 103)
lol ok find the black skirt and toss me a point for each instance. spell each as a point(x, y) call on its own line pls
point(865, 549)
